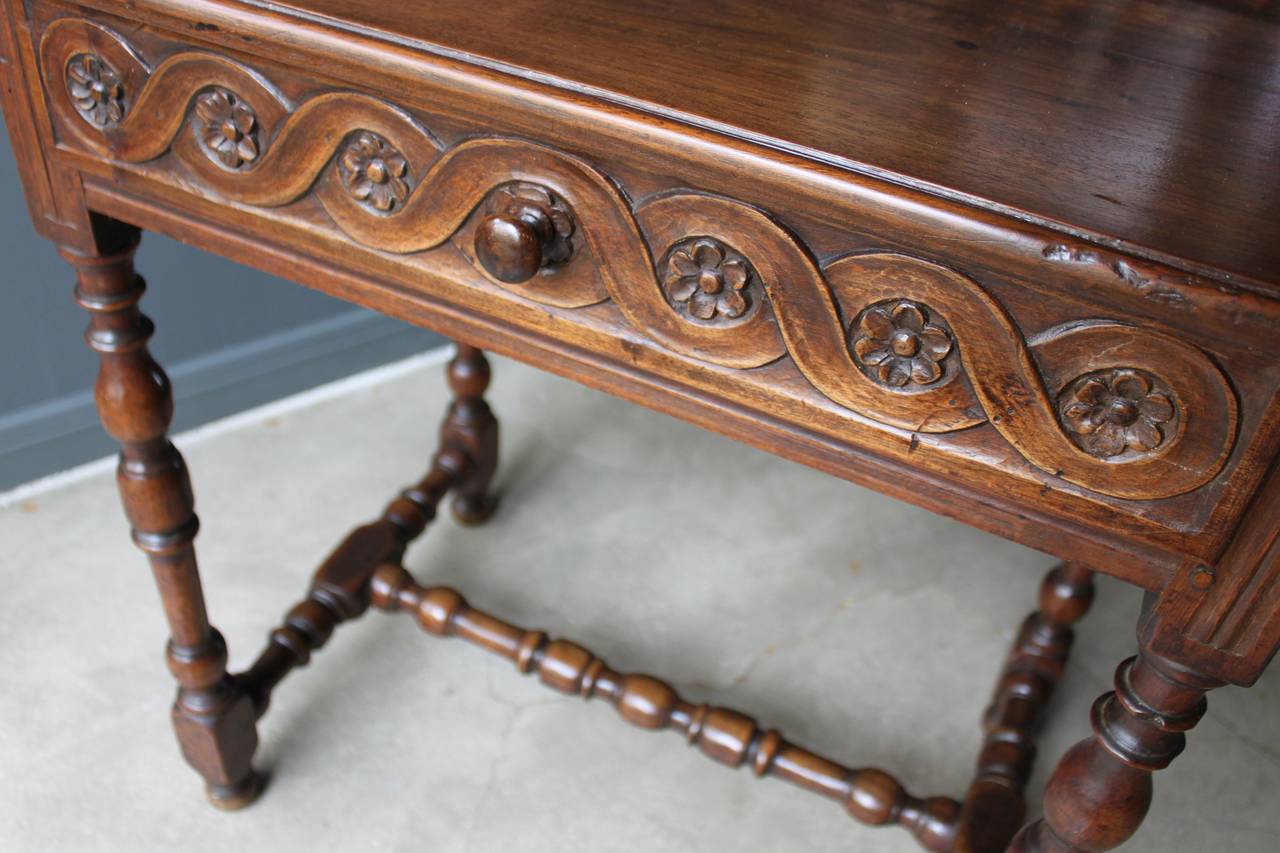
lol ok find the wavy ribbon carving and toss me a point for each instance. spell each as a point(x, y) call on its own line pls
point(1013, 384)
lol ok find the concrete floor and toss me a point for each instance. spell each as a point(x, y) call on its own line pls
point(858, 625)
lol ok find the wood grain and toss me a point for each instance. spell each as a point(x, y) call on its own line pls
point(993, 807)
point(1038, 98)
point(1013, 264)
point(212, 715)
point(1101, 789)
point(803, 315)
point(729, 737)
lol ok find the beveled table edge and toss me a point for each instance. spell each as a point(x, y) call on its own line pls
point(763, 141)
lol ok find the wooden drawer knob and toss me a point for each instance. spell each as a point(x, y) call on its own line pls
point(525, 230)
point(511, 249)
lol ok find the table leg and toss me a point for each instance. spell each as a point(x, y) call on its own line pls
point(471, 427)
point(994, 808)
point(1101, 789)
point(212, 716)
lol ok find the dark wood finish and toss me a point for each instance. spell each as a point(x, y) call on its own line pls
point(730, 737)
point(340, 587)
point(994, 807)
point(339, 590)
point(915, 245)
point(525, 230)
point(1101, 789)
point(1020, 106)
point(814, 385)
point(471, 429)
point(212, 715)
point(1227, 611)
point(365, 569)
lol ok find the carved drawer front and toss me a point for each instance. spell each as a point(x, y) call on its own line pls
point(889, 339)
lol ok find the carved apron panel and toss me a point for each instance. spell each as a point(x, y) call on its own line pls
point(1120, 410)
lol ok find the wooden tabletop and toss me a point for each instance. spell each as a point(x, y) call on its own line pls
point(1152, 123)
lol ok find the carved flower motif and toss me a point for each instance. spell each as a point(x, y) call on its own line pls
point(1110, 411)
point(374, 172)
point(95, 89)
point(230, 128)
point(707, 281)
point(899, 346)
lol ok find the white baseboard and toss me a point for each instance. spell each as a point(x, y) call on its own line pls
point(52, 436)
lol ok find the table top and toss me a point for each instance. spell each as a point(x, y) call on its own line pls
point(1153, 123)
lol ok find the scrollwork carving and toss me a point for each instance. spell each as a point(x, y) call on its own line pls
point(943, 325)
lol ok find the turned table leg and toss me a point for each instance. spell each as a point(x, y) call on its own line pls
point(471, 428)
point(1101, 789)
point(213, 718)
point(994, 808)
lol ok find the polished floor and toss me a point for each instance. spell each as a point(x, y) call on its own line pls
point(856, 624)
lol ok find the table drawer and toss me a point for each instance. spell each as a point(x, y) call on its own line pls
point(815, 312)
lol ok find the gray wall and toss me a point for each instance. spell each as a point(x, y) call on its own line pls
point(229, 337)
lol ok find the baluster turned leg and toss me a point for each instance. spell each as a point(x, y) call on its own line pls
point(994, 806)
point(1101, 789)
point(213, 718)
point(471, 428)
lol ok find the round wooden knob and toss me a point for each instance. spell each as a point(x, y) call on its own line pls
point(525, 229)
point(511, 248)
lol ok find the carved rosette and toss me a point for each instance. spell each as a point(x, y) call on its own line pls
point(709, 281)
point(897, 363)
point(95, 90)
point(897, 345)
point(1121, 411)
point(228, 128)
point(374, 173)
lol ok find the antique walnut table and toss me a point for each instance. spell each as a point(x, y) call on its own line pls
point(1017, 265)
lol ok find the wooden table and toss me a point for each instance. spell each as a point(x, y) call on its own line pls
point(1015, 263)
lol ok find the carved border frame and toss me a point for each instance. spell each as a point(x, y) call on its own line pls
point(231, 128)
